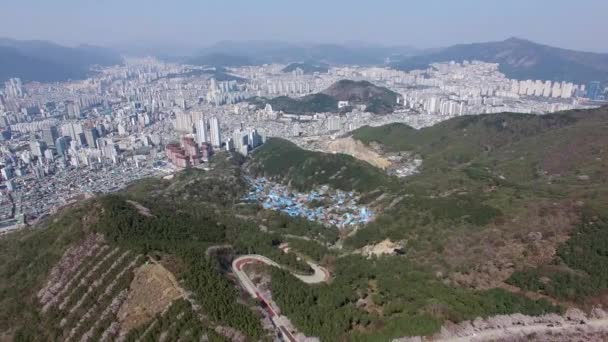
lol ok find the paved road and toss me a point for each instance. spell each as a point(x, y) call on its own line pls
point(320, 275)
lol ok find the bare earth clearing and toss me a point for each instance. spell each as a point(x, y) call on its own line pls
point(356, 149)
point(153, 290)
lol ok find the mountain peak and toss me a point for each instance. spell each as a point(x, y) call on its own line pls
point(517, 40)
point(522, 59)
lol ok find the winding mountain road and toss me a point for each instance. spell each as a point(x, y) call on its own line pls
point(320, 275)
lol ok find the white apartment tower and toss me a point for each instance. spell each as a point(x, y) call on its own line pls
point(214, 132)
point(202, 131)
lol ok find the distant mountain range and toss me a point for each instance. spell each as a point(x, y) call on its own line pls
point(518, 58)
point(43, 61)
point(261, 52)
point(220, 60)
point(521, 59)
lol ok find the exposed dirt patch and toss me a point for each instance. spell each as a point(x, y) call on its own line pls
point(152, 290)
point(356, 149)
point(140, 208)
point(366, 299)
point(574, 325)
point(385, 247)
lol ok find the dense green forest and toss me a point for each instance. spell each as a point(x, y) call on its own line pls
point(398, 299)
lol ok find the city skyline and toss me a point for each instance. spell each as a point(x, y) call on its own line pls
point(190, 25)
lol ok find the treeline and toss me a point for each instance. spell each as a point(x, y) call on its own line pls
point(222, 186)
point(304, 170)
point(389, 297)
point(284, 224)
point(186, 229)
point(426, 217)
point(579, 268)
point(310, 248)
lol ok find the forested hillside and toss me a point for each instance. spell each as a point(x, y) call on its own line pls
point(529, 192)
point(507, 215)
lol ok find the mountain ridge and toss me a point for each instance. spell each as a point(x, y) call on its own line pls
point(263, 52)
point(521, 59)
point(44, 61)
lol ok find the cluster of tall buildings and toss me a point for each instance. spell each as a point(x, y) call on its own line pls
point(188, 152)
point(207, 131)
point(564, 90)
point(201, 136)
point(283, 87)
point(72, 136)
point(244, 140)
point(227, 92)
point(13, 88)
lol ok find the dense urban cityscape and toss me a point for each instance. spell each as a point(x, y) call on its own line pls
point(149, 117)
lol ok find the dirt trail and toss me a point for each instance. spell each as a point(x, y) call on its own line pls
point(523, 331)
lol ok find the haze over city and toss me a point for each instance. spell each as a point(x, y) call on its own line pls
point(188, 24)
point(313, 171)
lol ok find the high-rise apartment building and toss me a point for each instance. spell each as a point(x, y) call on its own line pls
point(202, 131)
point(49, 135)
point(214, 132)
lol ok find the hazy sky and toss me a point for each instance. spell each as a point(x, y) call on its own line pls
point(578, 24)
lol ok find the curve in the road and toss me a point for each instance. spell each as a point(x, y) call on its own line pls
point(320, 275)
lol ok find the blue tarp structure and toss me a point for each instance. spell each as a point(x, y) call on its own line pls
point(341, 210)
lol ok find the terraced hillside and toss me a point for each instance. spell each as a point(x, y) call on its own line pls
point(90, 292)
point(179, 322)
point(112, 266)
